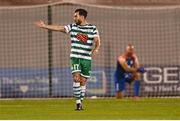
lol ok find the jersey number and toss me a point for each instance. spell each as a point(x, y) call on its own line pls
point(76, 66)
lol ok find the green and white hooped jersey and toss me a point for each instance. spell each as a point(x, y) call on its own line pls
point(82, 37)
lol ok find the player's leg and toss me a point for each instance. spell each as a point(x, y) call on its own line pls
point(77, 89)
point(120, 84)
point(122, 88)
point(85, 74)
point(136, 86)
point(83, 87)
point(75, 69)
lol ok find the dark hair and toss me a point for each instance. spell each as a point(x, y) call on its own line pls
point(82, 12)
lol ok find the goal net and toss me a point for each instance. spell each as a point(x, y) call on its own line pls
point(35, 62)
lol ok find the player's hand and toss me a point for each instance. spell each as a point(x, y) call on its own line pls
point(40, 24)
point(141, 70)
point(94, 52)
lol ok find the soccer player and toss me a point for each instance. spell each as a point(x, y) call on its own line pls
point(85, 43)
point(127, 71)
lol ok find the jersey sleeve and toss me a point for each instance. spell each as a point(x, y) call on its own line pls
point(95, 32)
point(68, 28)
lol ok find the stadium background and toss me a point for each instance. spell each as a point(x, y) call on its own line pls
point(35, 63)
point(99, 2)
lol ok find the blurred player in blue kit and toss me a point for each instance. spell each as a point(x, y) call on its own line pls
point(128, 71)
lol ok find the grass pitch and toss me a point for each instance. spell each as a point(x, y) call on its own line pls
point(100, 109)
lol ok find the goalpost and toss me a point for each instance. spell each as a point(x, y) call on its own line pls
point(35, 63)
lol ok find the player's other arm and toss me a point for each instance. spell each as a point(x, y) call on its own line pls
point(136, 64)
point(123, 63)
point(41, 24)
point(97, 43)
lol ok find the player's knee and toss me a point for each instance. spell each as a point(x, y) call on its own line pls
point(76, 77)
point(83, 81)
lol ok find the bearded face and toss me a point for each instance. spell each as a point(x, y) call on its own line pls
point(77, 18)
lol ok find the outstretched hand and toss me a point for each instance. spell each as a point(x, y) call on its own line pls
point(40, 24)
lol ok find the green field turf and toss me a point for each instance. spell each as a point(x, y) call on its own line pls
point(101, 109)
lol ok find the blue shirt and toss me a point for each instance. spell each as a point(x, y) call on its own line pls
point(120, 71)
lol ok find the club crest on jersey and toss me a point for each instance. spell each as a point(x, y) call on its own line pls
point(82, 37)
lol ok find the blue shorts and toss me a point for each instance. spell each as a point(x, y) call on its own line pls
point(120, 83)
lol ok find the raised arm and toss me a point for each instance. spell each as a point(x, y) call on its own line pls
point(41, 24)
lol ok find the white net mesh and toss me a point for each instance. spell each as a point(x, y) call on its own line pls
point(31, 67)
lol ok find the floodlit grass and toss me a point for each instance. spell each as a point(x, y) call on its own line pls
point(101, 109)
